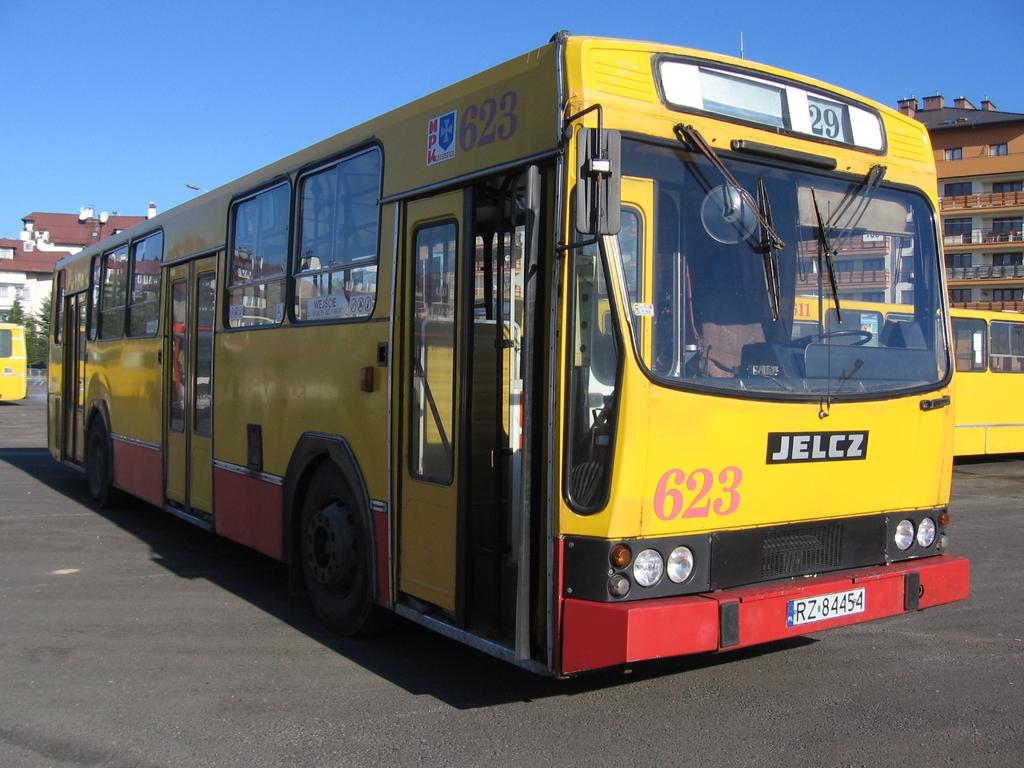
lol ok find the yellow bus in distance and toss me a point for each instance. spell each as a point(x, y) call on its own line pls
point(526, 361)
point(989, 356)
point(13, 379)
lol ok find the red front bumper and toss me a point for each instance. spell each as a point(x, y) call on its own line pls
point(596, 635)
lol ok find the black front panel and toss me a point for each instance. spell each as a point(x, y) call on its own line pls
point(588, 569)
point(729, 559)
point(778, 552)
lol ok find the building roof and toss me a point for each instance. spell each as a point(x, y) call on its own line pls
point(948, 118)
point(66, 229)
point(34, 261)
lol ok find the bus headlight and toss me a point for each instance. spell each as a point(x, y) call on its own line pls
point(904, 535)
point(926, 533)
point(648, 567)
point(680, 564)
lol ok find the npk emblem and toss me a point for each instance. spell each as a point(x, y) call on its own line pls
point(786, 447)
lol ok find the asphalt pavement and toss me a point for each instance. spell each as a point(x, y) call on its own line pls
point(130, 638)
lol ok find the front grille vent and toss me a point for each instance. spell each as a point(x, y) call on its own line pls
point(795, 553)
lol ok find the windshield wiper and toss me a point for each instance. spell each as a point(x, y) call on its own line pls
point(825, 251)
point(690, 136)
point(768, 249)
point(869, 184)
point(769, 242)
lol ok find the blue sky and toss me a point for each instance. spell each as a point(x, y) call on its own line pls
point(115, 104)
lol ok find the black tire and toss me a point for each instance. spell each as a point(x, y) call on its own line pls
point(334, 546)
point(99, 465)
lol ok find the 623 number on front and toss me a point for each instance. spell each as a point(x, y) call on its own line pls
point(697, 493)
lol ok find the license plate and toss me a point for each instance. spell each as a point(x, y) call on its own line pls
point(807, 610)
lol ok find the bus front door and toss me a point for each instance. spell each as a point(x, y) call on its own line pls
point(431, 392)
point(188, 423)
point(74, 372)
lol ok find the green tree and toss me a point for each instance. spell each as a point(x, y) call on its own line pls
point(17, 313)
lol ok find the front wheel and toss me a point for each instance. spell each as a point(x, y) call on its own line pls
point(335, 552)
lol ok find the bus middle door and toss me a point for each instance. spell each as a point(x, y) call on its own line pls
point(188, 425)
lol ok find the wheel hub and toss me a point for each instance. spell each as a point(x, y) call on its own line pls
point(331, 548)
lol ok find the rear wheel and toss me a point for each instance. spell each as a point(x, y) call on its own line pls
point(335, 552)
point(99, 464)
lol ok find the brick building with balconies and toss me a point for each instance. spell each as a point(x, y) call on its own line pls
point(979, 156)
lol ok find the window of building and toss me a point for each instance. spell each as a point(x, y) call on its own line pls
point(958, 228)
point(959, 259)
point(115, 293)
point(969, 344)
point(336, 266)
point(6, 253)
point(144, 307)
point(955, 153)
point(1008, 186)
point(960, 295)
point(259, 251)
point(1007, 347)
point(956, 188)
point(997, 150)
point(1007, 229)
point(870, 265)
point(1008, 294)
point(1007, 259)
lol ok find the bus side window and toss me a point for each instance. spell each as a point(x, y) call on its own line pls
point(1006, 353)
point(969, 346)
point(593, 384)
point(144, 300)
point(336, 266)
point(258, 258)
point(115, 293)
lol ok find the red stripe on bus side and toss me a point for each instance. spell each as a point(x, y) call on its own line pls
point(139, 470)
point(248, 510)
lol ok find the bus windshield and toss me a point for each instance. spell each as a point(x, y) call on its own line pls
point(736, 290)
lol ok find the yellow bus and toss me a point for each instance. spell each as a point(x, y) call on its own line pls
point(13, 381)
point(522, 361)
point(989, 359)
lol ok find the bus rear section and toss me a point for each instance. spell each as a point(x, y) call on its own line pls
point(13, 380)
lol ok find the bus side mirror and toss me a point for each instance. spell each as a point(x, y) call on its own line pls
point(598, 182)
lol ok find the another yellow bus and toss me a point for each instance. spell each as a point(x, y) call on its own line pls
point(989, 357)
point(523, 361)
point(13, 381)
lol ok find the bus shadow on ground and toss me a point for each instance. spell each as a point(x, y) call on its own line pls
point(409, 656)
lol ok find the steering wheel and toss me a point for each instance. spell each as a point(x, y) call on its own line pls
point(863, 337)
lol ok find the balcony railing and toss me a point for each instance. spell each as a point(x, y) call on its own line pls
point(983, 236)
point(985, 272)
point(863, 277)
point(995, 306)
point(986, 200)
